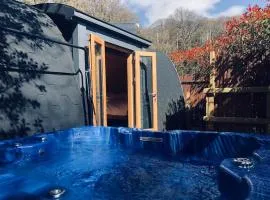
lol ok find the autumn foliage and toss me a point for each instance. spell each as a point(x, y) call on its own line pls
point(243, 49)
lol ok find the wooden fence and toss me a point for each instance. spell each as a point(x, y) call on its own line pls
point(212, 92)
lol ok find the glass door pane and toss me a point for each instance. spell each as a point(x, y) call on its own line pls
point(146, 91)
point(98, 79)
point(99, 88)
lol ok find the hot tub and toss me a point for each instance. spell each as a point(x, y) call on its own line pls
point(122, 163)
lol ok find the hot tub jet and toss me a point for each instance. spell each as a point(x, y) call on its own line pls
point(43, 139)
point(245, 163)
point(57, 192)
point(17, 144)
point(41, 152)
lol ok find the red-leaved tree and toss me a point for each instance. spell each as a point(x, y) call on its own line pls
point(243, 51)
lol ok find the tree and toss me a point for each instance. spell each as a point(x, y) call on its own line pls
point(182, 30)
point(107, 10)
point(243, 50)
point(187, 28)
point(161, 36)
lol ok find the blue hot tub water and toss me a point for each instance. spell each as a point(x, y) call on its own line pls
point(121, 163)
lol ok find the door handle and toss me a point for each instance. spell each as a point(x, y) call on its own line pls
point(154, 95)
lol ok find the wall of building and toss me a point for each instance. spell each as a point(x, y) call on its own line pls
point(171, 106)
point(170, 96)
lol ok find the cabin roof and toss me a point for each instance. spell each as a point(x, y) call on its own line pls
point(71, 13)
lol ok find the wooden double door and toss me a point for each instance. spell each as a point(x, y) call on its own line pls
point(141, 83)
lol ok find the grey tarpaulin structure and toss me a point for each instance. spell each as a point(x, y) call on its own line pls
point(34, 95)
point(58, 100)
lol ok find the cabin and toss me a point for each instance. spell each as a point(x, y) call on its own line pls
point(120, 80)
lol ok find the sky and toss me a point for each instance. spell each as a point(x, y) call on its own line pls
point(151, 10)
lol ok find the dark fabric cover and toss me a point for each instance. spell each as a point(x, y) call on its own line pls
point(31, 102)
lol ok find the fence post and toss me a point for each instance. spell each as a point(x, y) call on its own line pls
point(210, 98)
